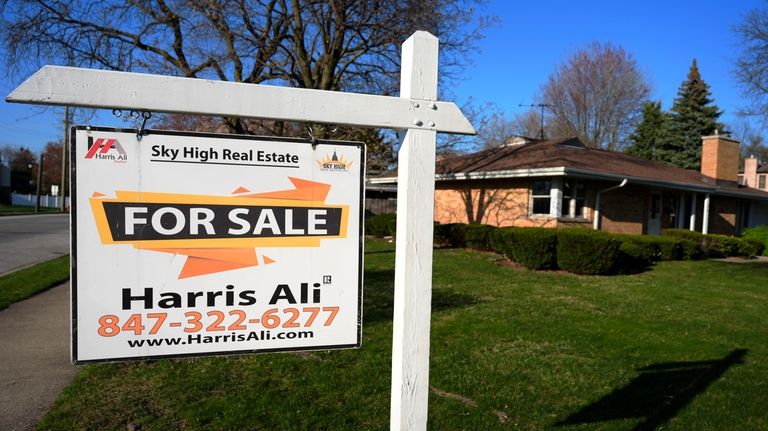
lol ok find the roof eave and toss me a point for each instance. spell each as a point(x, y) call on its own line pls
point(583, 173)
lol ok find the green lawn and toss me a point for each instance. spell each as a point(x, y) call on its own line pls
point(26, 282)
point(683, 346)
point(17, 209)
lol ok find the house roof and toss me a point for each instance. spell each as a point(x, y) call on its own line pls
point(573, 158)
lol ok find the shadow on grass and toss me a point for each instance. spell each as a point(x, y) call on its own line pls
point(380, 252)
point(379, 299)
point(658, 393)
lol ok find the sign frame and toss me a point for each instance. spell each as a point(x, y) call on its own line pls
point(412, 114)
point(74, 208)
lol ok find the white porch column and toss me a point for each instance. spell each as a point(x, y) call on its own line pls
point(692, 225)
point(705, 217)
point(556, 198)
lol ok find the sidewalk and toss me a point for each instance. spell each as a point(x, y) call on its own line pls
point(34, 357)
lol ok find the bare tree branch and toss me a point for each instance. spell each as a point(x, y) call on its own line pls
point(596, 95)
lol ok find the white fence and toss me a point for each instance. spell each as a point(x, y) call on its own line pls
point(45, 201)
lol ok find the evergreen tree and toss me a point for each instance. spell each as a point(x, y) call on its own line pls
point(652, 135)
point(693, 115)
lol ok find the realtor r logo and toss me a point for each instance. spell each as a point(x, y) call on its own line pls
point(102, 149)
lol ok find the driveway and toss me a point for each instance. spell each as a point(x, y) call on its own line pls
point(29, 239)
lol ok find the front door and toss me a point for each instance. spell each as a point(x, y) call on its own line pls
point(654, 214)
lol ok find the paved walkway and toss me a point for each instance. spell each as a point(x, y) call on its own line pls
point(34, 357)
point(757, 259)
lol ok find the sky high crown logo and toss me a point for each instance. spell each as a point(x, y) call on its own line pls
point(334, 163)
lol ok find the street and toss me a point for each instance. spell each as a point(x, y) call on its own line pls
point(29, 239)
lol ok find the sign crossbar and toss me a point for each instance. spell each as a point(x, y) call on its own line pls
point(73, 86)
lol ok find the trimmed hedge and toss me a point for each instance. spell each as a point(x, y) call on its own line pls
point(534, 248)
point(381, 225)
point(587, 252)
point(636, 254)
point(450, 235)
point(461, 235)
point(760, 234)
point(478, 236)
point(757, 246)
point(714, 245)
point(583, 251)
point(659, 248)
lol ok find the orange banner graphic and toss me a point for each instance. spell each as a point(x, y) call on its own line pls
point(220, 233)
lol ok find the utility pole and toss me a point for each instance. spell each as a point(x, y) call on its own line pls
point(37, 186)
point(64, 146)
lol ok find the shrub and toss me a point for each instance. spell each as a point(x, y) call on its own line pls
point(534, 248)
point(381, 225)
point(691, 250)
point(634, 256)
point(639, 251)
point(647, 246)
point(757, 233)
point(477, 236)
point(758, 248)
point(671, 248)
point(714, 245)
point(725, 246)
point(701, 251)
point(587, 252)
point(684, 234)
point(451, 235)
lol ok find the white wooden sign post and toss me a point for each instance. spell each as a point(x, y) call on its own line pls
point(413, 254)
point(416, 110)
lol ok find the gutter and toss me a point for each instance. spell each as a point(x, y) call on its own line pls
point(596, 221)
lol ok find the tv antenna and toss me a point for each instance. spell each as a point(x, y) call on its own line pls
point(541, 106)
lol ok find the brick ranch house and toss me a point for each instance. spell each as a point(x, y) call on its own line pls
point(562, 183)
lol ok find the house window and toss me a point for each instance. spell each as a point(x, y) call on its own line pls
point(541, 197)
point(761, 182)
point(574, 199)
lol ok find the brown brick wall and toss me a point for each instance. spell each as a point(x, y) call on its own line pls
point(624, 210)
point(506, 203)
point(722, 215)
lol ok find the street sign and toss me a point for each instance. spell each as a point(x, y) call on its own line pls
point(193, 244)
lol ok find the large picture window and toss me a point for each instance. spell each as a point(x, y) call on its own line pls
point(541, 197)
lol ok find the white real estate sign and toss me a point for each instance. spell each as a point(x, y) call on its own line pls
point(417, 110)
point(190, 244)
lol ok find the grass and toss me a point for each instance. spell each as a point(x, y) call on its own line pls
point(26, 282)
point(682, 346)
point(19, 209)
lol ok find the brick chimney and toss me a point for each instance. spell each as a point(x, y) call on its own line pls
point(720, 157)
point(750, 172)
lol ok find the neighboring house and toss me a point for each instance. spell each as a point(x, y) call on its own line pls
point(558, 183)
point(754, 176)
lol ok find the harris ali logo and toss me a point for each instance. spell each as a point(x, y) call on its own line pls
point(106, 149)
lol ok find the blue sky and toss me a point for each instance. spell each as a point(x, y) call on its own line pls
point(664, 36)
point(532, 38)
